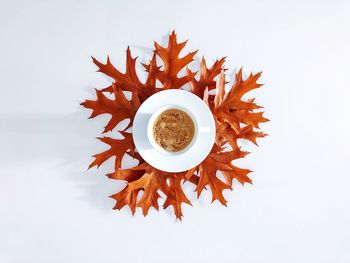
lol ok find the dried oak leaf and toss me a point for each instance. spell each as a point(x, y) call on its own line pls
point(149, 180)
point(173, 64)
point(118, 148)
point(206, 77)
point(119, 108)
point(234, 117)
point(127, 81)
point(225, 134)
point(219, 161)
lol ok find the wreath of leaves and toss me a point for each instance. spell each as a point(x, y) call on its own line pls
point(235, 118)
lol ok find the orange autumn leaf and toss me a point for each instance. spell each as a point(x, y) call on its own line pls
point(225, 134)
point(232, 108)
point(206, 77)
point(235, 118)
point(118, 148)
point(150, 180)
point(215, 162)
point(152, 72)
point(126, 81)
point(119, 108)
point(168, 76)
point(177, 196)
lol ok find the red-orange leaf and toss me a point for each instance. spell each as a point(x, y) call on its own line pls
point(241, 87)
point(249, 134)
point(119, 108)
point(150, 183)
point(208, 176)
point(172, 189)
point(126, 197)
point(219, 161)
point(230, 108)
point(177, 196)
point(117, 149)
point(225, 134)
point(173, 64)
point(206, 78)
point(126, 81)
point(152, 73)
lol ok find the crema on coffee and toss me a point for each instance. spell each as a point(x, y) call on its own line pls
point(173, 130)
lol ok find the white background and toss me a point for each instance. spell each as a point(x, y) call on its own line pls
point(53, 210)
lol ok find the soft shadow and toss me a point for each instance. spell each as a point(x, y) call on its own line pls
point(65, 141)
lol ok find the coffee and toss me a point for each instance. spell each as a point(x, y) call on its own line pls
point(173, 130)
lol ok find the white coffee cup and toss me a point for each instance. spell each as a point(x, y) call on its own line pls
point(154, 117)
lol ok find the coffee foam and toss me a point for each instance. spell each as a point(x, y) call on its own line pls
point(173, 130)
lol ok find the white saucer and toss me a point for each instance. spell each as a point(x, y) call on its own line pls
point(189, 157)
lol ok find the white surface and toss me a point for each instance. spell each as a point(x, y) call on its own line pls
point(52, 210)
point(204, 136)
